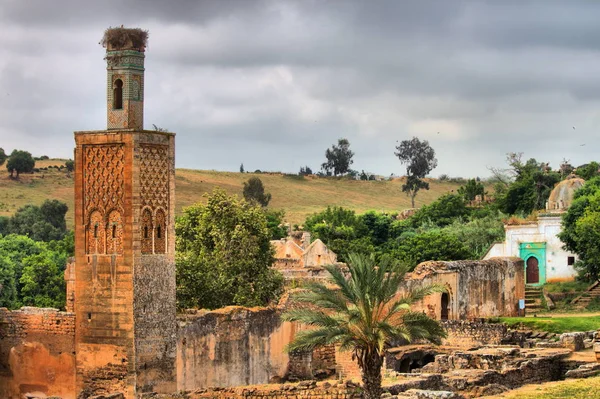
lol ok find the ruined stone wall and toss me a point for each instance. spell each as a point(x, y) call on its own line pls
point(467, 334)
point(237, 346)
point(37, 352)
point(288, 391)
point(475, 289)
point(231, 347)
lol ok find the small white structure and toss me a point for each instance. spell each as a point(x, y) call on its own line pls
point(536, 242)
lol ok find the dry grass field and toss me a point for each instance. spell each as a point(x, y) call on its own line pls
point(298, 196)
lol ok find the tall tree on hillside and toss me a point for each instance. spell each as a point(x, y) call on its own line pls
point(363, 313)
point(20, 162)
point(420, 159)
point(254, 192)
point(3, 156)
point(339, 158)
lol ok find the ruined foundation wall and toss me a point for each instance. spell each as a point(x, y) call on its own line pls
point(37, 352)
point(468, 334)
point(232, 346)
point(321, 391)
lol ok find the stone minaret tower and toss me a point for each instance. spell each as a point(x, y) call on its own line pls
point(124, 239)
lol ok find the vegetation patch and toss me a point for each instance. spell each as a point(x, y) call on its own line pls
point(573, 389)
point(557, 325)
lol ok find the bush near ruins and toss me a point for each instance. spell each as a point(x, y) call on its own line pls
point(581, 229)
point(224, 255)
point(455, 230)
point(32, 272)
point(3, 156)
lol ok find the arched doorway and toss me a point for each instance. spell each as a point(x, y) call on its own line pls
point(533, 270)
point(445, 306)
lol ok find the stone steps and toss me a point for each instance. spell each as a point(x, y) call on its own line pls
point(584, 299)
point(533, 300)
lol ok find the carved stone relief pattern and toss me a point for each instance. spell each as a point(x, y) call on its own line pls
point(154, 176)
point(103, 187)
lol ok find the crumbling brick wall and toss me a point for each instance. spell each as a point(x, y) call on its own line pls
point(37, 352)
point(288, 391)
point(473, 333)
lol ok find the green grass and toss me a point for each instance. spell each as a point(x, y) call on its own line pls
point(298, 196)
point(572, 389)
point(556, 325)
point(567, 286)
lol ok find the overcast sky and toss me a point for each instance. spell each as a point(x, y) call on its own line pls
point(272, 84)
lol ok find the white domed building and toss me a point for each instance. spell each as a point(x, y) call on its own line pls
point(536, 242)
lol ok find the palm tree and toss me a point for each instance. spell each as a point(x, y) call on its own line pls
point(364, 312)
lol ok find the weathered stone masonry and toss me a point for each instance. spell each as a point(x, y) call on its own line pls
point(37, 352)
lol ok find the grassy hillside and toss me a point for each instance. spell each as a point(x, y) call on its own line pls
point(299, 197)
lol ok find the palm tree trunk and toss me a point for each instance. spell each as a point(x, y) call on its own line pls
point(371, 376)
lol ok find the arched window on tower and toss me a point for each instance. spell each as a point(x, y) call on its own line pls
point(95, 234)
point(160, 239)
point(147, 231)
point(118, 94)
point(114, 233)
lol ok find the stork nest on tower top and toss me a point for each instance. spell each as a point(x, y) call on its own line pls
point(125, 39)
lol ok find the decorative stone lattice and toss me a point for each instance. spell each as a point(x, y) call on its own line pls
point(154, 176)
point(103, 178)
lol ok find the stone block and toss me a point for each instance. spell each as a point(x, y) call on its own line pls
point(573, 341)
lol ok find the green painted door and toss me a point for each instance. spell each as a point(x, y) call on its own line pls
point(534, 256)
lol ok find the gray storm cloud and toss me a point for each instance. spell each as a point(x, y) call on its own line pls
point(272, 84)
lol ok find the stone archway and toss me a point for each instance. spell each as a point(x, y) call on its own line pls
point(445, 306)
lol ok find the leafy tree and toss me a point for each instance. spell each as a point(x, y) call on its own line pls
point(3, 156)
point(44, 223)
point(254, 192)
point(42, 281)
point(8, 288)
point(339, 158)
point(364, 314)
point(242, 168)
point(441, 212)
point(305, 171)
point(420, 159)
point(581, 229)
point(70, 165)
point(224, 255)
point(275, 224)
point(478, 234)
point(471, 190)
point(431, 245)
point(378, 226)
point(37, 269)
point(588, 171)
point(565, 169)
point(20, 162)
point(533, 182)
